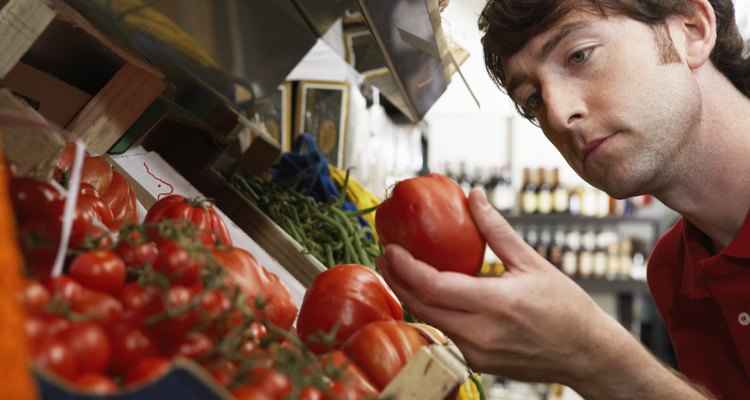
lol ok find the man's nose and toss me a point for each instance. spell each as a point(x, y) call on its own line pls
point(565, 105)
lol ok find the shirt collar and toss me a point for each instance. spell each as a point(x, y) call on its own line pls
point(698, 255)
point(740, 246)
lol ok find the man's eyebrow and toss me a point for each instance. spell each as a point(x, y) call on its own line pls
point(563, 32)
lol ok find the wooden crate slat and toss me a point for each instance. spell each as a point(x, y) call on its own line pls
point(21, 23)
point(116, 107)
point(431, 374)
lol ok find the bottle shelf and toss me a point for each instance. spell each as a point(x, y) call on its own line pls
point(599, 285)
point(576, 219)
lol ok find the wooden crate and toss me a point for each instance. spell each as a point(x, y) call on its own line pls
point(74, 75)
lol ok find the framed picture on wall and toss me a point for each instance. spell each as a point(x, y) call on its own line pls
point(352, 15)
point(275, 113)
point(321, 111)
point(363, 53)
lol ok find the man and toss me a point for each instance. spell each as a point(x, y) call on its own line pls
point(639, 97)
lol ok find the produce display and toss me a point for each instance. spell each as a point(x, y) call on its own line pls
point(135, 297)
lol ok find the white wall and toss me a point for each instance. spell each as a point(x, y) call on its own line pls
point(491, 134)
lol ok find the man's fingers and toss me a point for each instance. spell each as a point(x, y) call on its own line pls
point(499, 234)
point(409, 277)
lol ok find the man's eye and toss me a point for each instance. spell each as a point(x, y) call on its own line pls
point(579, 56)
point(532, 102)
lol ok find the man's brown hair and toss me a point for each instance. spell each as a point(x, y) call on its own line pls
point(509, 24)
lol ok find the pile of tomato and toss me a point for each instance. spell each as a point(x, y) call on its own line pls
point(135, 297)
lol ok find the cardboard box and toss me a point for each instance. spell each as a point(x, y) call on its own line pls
point(186, 380)
point(48, 37)
point(28, 140)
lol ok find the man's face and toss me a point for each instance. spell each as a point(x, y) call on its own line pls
point(605, 99)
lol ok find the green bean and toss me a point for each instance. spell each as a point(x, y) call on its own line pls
point(329, 255)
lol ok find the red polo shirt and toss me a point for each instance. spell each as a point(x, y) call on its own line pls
point(704, 300)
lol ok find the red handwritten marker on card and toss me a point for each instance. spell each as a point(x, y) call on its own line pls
point(171, 188)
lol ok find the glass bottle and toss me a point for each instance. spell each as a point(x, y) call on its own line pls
point(570, 252)
point(507, 195)
point(543, 192)
point(529, 198)
point(560, 195)
point(586, 255)
point(557, 248)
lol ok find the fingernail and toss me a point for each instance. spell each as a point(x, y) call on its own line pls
point(482, 199)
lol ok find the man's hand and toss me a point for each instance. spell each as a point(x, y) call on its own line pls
point(533, 323)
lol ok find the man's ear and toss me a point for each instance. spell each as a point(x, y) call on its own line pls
point(699, 29)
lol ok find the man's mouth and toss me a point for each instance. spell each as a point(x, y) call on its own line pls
point(592, 146)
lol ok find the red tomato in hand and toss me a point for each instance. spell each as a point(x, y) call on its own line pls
point(100, 270)
point(380, 349)
point(348, 297)
point(429, 216)
point(199, 213)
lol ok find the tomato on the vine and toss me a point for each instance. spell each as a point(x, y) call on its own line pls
point(134, 249)
point(130, 344)
point(100, 270)
point(194, 346)
point(346, 297)
point(89, 344)
point(147, 370)
point(200, 214)
point(179, 264)
point(98, 307)
point(33, 295)
point(63, 287)
point(310, 393)
point(267, 381)
point(55, 356)
point(134, 298)
point(94, 383)
point(429, 216)
point(172, 317)
point(29, 197)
